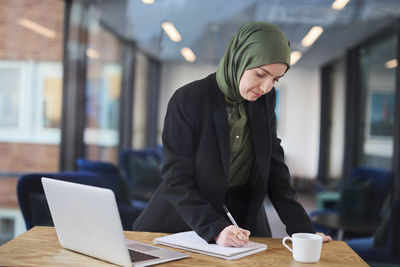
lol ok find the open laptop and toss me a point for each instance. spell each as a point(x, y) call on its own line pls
point(87, 220)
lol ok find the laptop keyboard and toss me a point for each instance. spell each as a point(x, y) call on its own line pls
point(139, 256)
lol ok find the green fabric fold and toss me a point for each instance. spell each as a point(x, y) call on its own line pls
point(255, 44)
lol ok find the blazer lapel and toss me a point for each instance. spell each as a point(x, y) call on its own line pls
point(222, 129)
point(221, 125)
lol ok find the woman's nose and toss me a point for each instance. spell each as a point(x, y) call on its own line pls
point(266, 86)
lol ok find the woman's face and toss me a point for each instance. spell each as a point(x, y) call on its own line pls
point(259, 81)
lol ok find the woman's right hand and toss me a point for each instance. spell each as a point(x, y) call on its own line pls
point(233, 236)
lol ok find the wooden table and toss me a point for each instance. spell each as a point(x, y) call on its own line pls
point(39, 247)
point(344, 226)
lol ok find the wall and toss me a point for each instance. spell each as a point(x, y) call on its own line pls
point(299, 115)
point(299, 120)
point(336, 146)
point(174, 76)
point(29, 143)
point(18, 42)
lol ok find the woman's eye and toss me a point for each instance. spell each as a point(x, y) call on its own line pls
point(260, 74)
point(276, 81)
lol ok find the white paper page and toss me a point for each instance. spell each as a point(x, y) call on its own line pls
point(192, 241)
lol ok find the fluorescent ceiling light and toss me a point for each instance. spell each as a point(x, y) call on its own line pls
point(92, 53)
point(37, 28)
point(188, 54)
point(148, 2)
point(391, 64)
point(339, 4)
point(294, 57)
point(312, 35)
point(171, 31)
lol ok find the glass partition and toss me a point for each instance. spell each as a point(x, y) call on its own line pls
point(103, 91)
point(376, 127)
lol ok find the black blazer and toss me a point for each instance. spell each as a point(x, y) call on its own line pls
point(196, 163)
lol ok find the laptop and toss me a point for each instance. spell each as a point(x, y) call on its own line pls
point(87, 221)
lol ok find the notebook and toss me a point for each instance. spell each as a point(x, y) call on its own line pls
point(87, 220)
point(193, 242)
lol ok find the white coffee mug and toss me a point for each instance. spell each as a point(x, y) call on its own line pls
point(306, 247)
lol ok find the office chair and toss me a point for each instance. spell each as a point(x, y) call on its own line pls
point(110, 173)
point(142, 171)
point(114, 180)
point(387, 249)
point(33, 202)
point(362, 195)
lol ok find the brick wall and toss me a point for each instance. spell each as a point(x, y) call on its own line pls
point(23, 158)
point(22, 44)
point(18, 42)
point(109, 154)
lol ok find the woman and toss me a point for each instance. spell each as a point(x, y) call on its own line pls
point(220, 148)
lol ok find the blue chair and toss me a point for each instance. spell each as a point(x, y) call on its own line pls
point(141, 170)
point(362, 195)
point(159, 150)
point(389, 252)
point(111, 174)
point(33, 202)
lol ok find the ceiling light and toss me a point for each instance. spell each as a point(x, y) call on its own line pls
point(188, 54)
point(92, 53)
point(148, 2)
point(312, 35)
point(339, 4)
point(294, 57)
point(171, 31)
point(37, 28)
point(391, 64)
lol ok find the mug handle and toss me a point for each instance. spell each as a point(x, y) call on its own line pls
point(284, 243)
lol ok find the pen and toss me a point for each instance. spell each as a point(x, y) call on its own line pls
point(229, 215)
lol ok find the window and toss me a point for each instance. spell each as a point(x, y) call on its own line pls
point(376, 128)
point(103, 92)
point(9, 94)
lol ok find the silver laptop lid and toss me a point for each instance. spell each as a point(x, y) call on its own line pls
point(86, 219)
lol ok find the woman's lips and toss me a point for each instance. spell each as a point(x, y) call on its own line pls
point(256, 94)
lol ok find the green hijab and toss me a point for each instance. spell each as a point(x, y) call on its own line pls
point(255, 44)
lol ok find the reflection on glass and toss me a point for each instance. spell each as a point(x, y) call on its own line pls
point(49, 77)
point(9, 94)
point(376, 129)
point(103, 92)
point(382, 114)
point(52, 102)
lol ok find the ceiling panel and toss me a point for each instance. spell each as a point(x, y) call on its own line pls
point(207, 25)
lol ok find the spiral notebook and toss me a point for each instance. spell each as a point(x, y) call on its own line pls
point(192, 242)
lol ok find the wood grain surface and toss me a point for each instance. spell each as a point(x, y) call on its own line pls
point(39, 247)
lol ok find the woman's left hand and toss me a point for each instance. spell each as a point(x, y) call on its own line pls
point(325, 238)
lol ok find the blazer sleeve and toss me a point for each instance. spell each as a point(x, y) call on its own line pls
point(280, 190)
point(179, 148)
